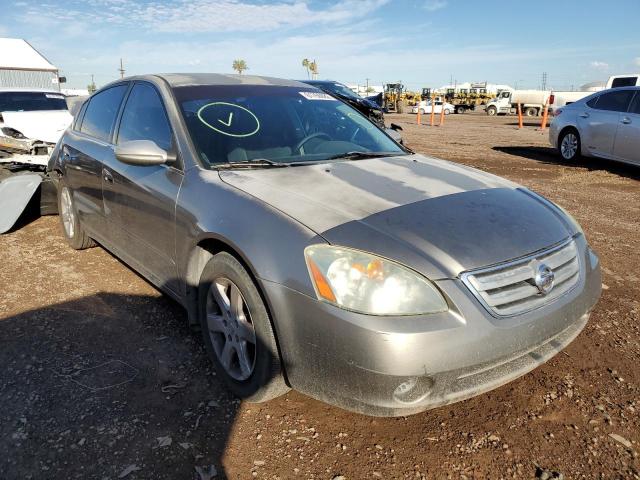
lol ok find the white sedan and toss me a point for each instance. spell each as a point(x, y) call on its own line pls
point(425, 107)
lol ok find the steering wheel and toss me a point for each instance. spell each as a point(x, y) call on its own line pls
point(301, 143)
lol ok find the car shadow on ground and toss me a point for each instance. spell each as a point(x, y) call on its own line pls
point(550, 156)
point(110, 386)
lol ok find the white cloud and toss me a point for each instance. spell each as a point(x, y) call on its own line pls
point(636, 61)
point(211, 16)
point(602, 66)
point(433, 5)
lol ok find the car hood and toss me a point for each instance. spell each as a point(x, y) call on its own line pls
point(438, 217)
point(44, 125)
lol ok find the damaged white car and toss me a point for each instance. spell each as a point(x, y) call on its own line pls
point(31, 123)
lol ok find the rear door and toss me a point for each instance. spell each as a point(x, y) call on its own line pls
point(598, 121)
point(627, 144)
point(86, 148)
point(142, 199)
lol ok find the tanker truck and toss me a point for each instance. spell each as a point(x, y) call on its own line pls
point(532, 102)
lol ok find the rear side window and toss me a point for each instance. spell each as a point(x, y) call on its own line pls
point(617, 101)
point(77, 121)
point(635, 105)
point(100, 114)
point(592, 103)
point(144, 118)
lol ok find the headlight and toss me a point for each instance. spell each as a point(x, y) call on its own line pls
point(365, 283)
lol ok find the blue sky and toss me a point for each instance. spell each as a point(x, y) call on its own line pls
point(421, 42)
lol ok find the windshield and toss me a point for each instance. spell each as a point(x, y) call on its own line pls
point(342, 90)
point(31, 101)
point(240, 123)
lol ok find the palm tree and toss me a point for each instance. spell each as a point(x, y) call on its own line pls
point(240, 66)
point(306, 63)
point(313, 66)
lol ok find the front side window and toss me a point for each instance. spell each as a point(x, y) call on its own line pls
point(144, 118)
point(617, 101)
point(635, 104)
point(239, 123)
point(100, 115)
point(31, 101)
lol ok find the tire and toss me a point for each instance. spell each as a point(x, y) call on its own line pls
point(238, 321)
point(447, 111)
point(492, 111)
point(72, 229)
point(569, 145)
point(423, 111)
point(460, 110)
point(531, 112)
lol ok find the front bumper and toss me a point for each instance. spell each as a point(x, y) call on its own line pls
point(398, 366)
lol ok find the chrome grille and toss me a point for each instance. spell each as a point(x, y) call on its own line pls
point(510, 289)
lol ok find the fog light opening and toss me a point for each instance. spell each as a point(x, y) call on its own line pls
point(413, 389)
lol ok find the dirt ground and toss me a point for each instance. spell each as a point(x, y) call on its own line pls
point(102, 379)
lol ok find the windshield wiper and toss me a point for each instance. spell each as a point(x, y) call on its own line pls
point(364, 155)
point(253, 163)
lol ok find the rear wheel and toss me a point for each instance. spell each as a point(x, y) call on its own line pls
point(71, 226)
point(569, 145)
point(460, 110)
point(531, 112)
point(237, 331)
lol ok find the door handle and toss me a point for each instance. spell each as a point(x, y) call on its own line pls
point(584, 115)
point(106, 175)
point(626, 120)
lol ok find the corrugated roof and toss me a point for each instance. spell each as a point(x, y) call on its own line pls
point(19, 54)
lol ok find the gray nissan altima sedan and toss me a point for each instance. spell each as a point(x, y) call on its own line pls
point(315, 252)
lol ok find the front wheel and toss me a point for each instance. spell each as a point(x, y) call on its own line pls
point(492, 111)
point(569, 145)
point(237, 331)
point(72, 229)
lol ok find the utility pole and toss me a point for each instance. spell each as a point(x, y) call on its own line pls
point(121, 69)
point(544, 80)
point(367, 90)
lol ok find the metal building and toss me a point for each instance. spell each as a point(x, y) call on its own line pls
point(21, 65)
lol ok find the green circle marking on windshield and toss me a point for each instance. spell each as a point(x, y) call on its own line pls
point(229, 119)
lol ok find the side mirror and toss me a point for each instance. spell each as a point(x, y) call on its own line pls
point(142, 153)
point(396, 127)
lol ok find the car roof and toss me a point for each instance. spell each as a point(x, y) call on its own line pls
point(195, 79)
point(25, 89)
point(319, 82)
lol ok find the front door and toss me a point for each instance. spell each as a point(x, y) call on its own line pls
point(143, 198)
point(627, 144)
point(598, 121)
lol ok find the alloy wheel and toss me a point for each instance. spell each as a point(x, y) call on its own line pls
point(66, 212)
point(569, 146)
point(231, 329)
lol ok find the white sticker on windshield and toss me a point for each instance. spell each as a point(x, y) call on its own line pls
point(49, 95)
point(317, 96)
